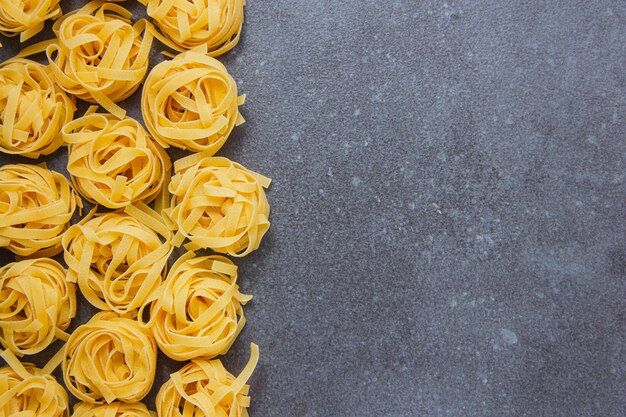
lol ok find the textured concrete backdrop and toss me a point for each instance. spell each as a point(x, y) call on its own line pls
point(447, 208)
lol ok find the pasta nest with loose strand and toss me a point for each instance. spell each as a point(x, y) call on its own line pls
point(218, 204)
point(26, 17)
point(35, 206)
point(118, 259)
point(109, 358)
point(36, 305)
point(115, 409)
point(198, 311)
point(190, 102)
point(99, 56)
point(206, 388)
point(33, 109)
point(114, 162)
point(29, 391)
point(186, 24)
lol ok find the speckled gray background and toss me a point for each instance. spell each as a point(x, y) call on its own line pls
point(447, 208)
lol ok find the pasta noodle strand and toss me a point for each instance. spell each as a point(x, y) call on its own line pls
point(32, 109)
point(198, 311)
point(36, 305)
point(35, 206)
point(114, 162)
point(109, 358)
point(191, 102)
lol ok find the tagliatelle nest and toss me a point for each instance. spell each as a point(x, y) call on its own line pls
point(191, 102)
point(114, 162)
point(99, 56)
point(26, 17)
point(214, 23)
point(32, 109)
point(109, 358)
point(115, 409)
point(198, 311)
point(35, 206)
point(31, 392)
point(36, 305)
point(118, 258)
point(218, 204)
point(206, 388)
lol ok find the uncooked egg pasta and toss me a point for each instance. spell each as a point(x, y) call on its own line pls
point(118, 259)
point(206, 388)
point(32, 109)
point(28, 391)
point(215, 24)
point(114, 162)
point(98, 55)
point(190, 102)
point(109, 358)
point(26, 17)
point(218, 204)
point(37, 304)
point(197, 312)
point(115, 409)
point(35, 206)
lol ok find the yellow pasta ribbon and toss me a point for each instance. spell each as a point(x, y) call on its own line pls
point(118, 258)
point(28, 391)
point(206, 388)
point(36, 305)
point(191, 102)
point(32, 109)
point(215, 24)
point(109, 358)
point(198, 311)
point(26, 17)
point(35, 206)
point(218, 204)
point(99, 56)
point(114, 162)
point(115, 409)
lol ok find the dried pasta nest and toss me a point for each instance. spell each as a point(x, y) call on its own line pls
point(31, 392)
point(32, 109)
point(118, 259)
point(35, 206)
point(218, 204)
point(191, 102)
point(198, 310)
point(115, 409)
point(214, 23)
point(206, 388)
point(109, 358)
point(99, 56)
point(26, 17)
point(36, 305)
point(114, 162)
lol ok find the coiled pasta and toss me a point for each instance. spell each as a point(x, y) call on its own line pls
point(109, 358)
point(99, 56)
point(35, 206)
point(197, 311)
point(118, 258)
point(28, 391)
point(114, 162)
point(36, 305)
point(26, 17)
point(218, 204)
point(191, 102)
point(206, 388)
point(32, 109)
point(214, 23)
point(115, 409)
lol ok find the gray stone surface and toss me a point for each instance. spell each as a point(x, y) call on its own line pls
point(447, 208)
